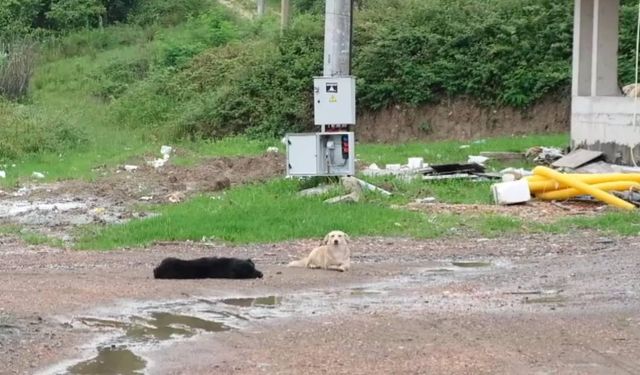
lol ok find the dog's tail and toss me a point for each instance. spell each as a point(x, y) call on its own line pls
point(298, 263)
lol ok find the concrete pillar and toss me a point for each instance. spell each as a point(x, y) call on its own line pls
point(337, 38)
point(285, 8)
point(261, 7)
point(604, 69)
point(582, 47)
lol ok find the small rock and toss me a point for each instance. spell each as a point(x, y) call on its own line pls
point(37, 175)
point(3, 174)
point(176, 197)
point(130, 168)
point(352, 185)
point(273, 150)
point(318, 190)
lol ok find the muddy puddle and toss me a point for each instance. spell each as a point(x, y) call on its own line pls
point(131, 333)
point(60, 212)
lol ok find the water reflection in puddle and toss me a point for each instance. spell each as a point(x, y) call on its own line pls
point(141, 327)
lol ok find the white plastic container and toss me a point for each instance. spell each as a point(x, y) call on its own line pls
point(511, 192)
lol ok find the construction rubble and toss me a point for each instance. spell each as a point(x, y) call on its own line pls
point(580, 175)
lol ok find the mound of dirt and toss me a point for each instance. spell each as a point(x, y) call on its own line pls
point(55, 208)
point(158, 185)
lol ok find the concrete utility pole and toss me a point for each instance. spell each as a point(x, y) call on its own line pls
point(261, 7)
point(337, 37)
point(285, 8)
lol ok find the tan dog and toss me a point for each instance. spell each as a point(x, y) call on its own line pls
point(333, 254)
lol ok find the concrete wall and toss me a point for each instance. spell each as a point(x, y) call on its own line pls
point(606, 124)
point(601, 119)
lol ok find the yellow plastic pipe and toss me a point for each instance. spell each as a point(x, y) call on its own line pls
point(583, 187)
point(546, 185)
point(572, 192)
point(543, 185)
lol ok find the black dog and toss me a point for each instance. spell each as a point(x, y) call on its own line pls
point(207, 268)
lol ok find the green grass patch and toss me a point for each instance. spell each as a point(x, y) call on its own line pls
point(31, 238)
point(9, 229)
point(193, 152)
point(621, 223)
point(446, 191)
point(451, 152)
point(273, 212)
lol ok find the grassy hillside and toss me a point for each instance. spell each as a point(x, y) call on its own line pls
point(125, 76)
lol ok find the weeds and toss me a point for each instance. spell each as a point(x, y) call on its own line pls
point(17, 65)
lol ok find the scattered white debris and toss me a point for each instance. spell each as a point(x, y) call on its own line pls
point(464, 147)
point(273, 150)
point(166, 151)
point(37, 175)
point(21, 192)
point(477, 159)
point(515, 173)
point(157, 163)
point(146, 198)
point(511, 192)
point(427, 200)
point(544, 155)
point(3, 174)
point(130, 168)
point(413, 167)
point(415, 163)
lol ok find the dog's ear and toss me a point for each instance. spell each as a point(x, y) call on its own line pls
point(325, 240)
point(346, 237)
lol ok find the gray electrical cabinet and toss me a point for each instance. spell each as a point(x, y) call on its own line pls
point(329, 152)
point(320, 154)
point(334, 100)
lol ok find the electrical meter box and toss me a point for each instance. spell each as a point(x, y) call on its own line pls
point(334, 100)
point(320, 154)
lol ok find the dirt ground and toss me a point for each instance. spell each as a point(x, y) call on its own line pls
point(117, 195)
point(462, 119)
point(543, 304)
point(548, 304)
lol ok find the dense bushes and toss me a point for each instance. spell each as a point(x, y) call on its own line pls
point(215, 74)
point(501, 52)
point(41, 17)
point(406, 52)
point(23, 132)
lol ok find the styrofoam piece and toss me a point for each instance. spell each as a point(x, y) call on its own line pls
point(511, 192)
point(415, 163)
